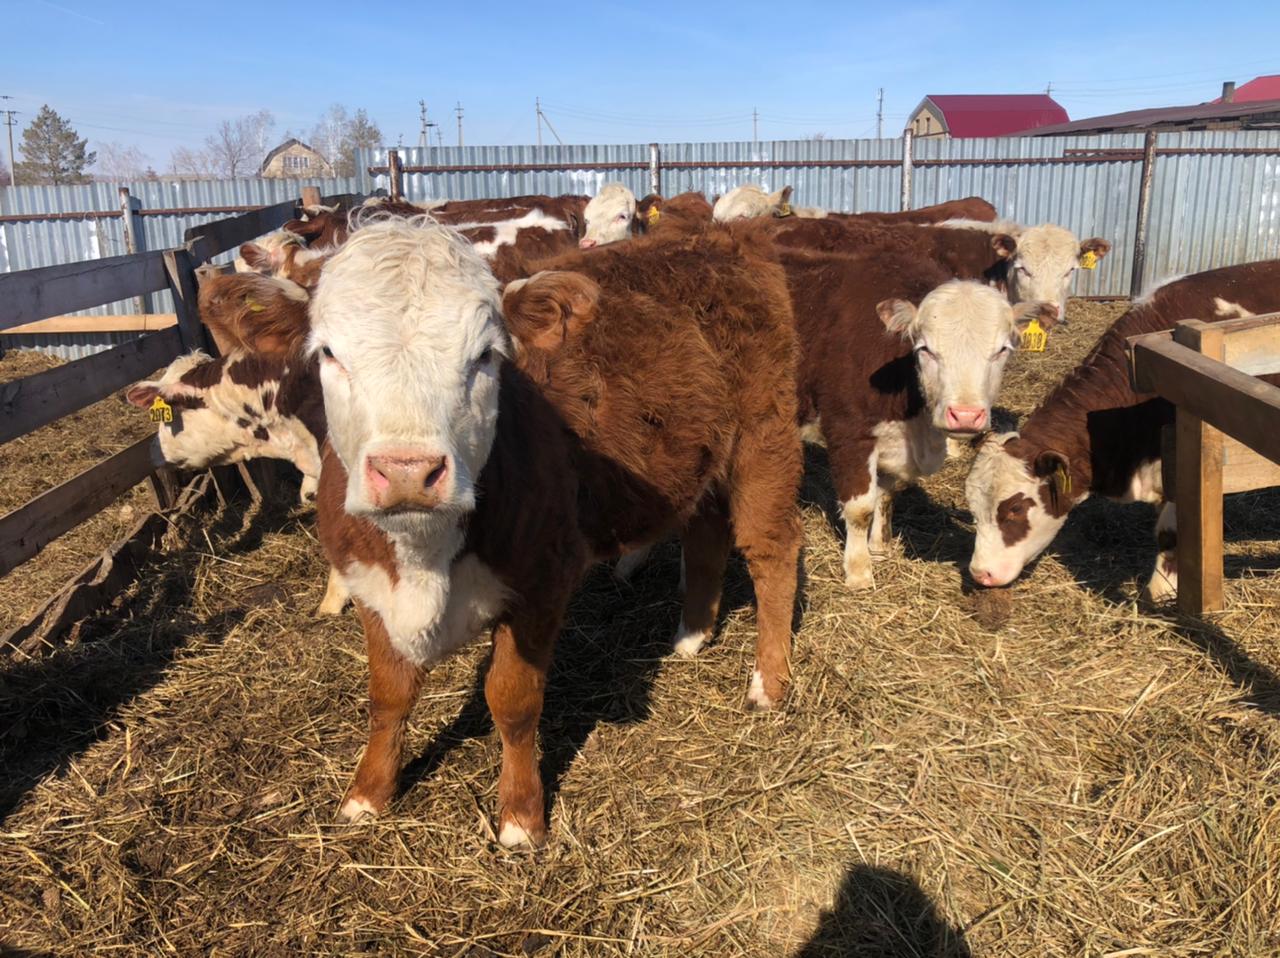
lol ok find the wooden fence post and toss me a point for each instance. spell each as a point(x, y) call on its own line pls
point(179, 265)
point(394, 172)
point(1198, 466)
point(1144, 214)
point(655, 169)
point(132, 241)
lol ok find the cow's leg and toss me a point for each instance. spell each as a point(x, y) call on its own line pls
point(880, 538)
point(1164, 580)
point(514, 689)
point(766, 528)
point(629, 562)
point(394, 683)
point(705, 543)
point(336, 595)
point(853, 472)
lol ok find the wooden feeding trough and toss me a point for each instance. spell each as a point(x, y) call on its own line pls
point(1226, 437)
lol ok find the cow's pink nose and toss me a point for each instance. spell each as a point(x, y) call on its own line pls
point(983, 577)
point(407, 482)
point(966, 418)
point(586, 243)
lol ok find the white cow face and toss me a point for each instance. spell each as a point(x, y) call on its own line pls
point(963, 333)
point(408, 325)
point(608, 216)
point(1046, 258)
point(1017, 508)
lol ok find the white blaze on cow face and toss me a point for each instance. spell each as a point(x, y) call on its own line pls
point(963, 333)
point(608, 216)
point(407, 320)
point(1044, 262)
point(1014, 523)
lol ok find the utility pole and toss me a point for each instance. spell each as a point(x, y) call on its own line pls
point(13, 163)
point(755, 126)
point(543, 118)
point(439, 136)
point(880, 114)
point(458, 110)
point(537, 109)
point(1048, 90)
point(424, 136)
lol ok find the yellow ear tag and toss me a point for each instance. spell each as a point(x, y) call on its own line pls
point(1088, 259)
point(653, 215)
point(1034, 338)
point(783, 210)
point(254, 306)
point(1063, 476)
point(161, 411)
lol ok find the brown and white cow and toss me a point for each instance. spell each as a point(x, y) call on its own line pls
point(886, 382)
point(1094, 435)
point(1044, 262)
point(750, 201)
point(970, 208)
point(465, 489)
point(614, 214)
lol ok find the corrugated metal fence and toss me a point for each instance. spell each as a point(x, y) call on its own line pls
point(1215, 198)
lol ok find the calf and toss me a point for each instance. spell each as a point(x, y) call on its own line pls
point(615, 214)
point(1046, 258)
point(463, 489)
point(1094, 434)
point(750, 201)
point(886, 382)
point(970, 208)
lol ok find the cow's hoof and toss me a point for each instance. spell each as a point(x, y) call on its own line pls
point(331, 606)
point(757, 698)
point(688, 643)
point(515, 835)
point(859, 579)
point(1161, 589)
point(356, 809)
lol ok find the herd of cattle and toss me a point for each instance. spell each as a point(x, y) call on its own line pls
point(485, 398)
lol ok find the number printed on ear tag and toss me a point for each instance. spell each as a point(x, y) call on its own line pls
point(1034, 338)
point(161, 411)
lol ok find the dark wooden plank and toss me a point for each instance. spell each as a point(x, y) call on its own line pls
point(180, 266)
point(1198, 479)
point(29, 528)
point(207, 241)
point(104, 577)
point(32, 294)
point(1243, 407)
point(35, 401)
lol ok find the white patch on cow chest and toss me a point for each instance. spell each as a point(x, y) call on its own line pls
point(909, 449)
point(432, 610)
point(506, 231)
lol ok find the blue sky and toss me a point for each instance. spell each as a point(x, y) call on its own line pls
point(158, 75)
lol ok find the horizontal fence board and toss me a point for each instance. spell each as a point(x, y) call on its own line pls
point(133, 323)
point(53, 290)
point(206, 242)
point(38, 400)
point(29, 528)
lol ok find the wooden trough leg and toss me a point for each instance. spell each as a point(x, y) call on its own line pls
point(1199, 496)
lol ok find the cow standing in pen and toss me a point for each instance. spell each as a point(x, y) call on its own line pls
point(653, 391)
point(1094, 435)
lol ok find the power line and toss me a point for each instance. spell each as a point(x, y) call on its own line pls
point(542, 118)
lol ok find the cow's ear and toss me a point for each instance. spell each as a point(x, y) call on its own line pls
point(1004, 245)
point(1024, 314)
point(142, 394)
point(259, 258)
point(1095, 245)
point(549, 308)
point(897, 315)
point(1055, 469)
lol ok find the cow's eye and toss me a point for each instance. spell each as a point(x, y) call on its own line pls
point(485, 357)
point(1024, 271)
point(923, 350)
point(623, 216)
point(326, 352)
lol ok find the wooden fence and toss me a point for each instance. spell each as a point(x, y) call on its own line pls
point(34, 401)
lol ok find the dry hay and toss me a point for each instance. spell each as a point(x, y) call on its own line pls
point(1094, 778)
point(40, 460)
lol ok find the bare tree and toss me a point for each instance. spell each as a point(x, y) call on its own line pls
point(119, 162)
point(236, 148)
point(5, 178)
point(339, 134)
point(185, 161)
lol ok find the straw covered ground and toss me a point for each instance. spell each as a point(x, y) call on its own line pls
point(1078, 776)
point(40, 460)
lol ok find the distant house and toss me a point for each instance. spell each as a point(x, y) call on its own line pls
point(1259, 88)
point(940, 115)
point(293, 159)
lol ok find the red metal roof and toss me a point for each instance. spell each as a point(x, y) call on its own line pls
point(997, 114)
point(1259, 88)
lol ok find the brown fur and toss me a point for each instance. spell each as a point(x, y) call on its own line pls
point(250, 311)
point(1094, 421)
point(969, 208)
point(674, 408)
point(684, 211)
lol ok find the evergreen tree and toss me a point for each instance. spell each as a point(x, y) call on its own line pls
point(52, 152)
